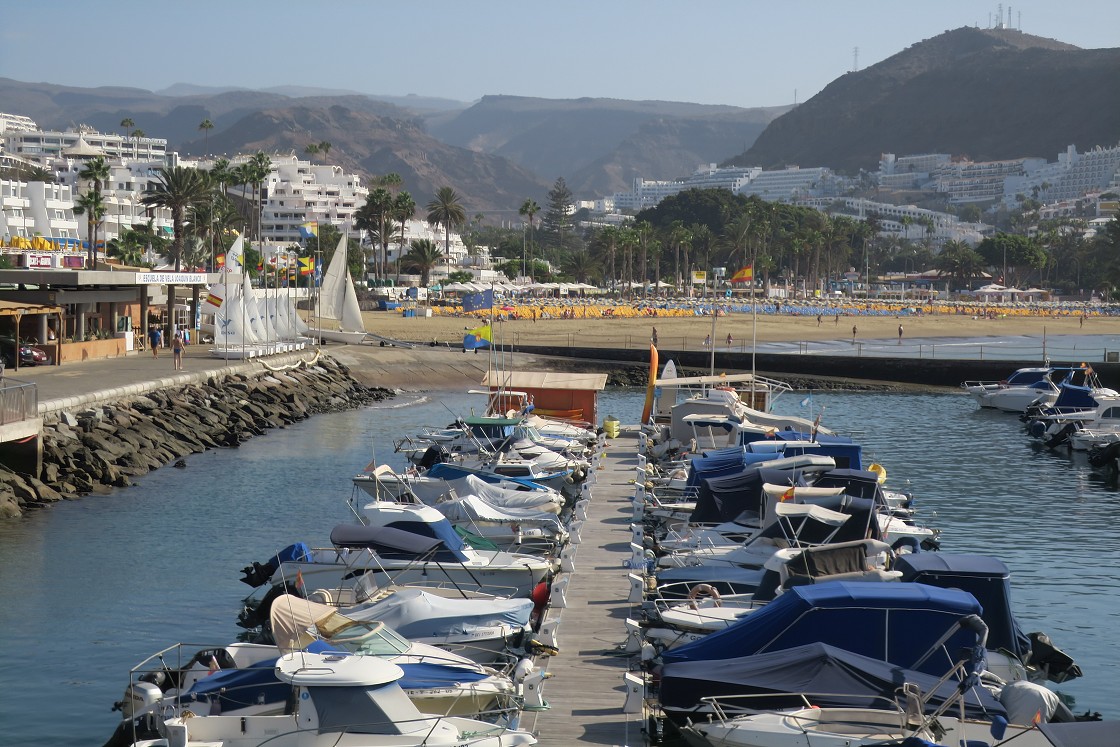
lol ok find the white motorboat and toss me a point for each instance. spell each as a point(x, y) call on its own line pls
point(382, 483)
point(338, 700)
point(1022, 388)
point(407, 544)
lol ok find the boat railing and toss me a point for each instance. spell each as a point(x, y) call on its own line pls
point(673, 595)
point(725, 708)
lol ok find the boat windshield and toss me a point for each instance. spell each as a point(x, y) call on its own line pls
point(371, 638)
point(1026, 377)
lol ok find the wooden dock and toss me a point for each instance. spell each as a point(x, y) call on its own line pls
point(586, 692)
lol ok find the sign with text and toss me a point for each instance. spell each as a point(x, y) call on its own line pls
point(172, 278)
point(699, 277)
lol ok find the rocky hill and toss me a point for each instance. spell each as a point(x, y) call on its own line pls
point(371, 144)
point(600, 145)
point(984, 93)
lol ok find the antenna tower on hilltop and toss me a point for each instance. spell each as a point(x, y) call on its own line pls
point(855, 59)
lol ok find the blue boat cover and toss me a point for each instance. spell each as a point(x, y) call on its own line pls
point(897, 623)
point(400, 542)
point(427, 676)
point(417, 614)
point(847, 453)
point(836, 679)
point(724, 497)
point(453, 472)
point(982, 576)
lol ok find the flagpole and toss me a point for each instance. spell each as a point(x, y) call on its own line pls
point(712, 338)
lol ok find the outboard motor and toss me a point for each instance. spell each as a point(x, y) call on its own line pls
point(434, 455)
point(1105, 456)
point(1036, 428)
point(1058, 436)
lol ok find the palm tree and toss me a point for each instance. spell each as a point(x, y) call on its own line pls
point(206, 125)
point(404, 207)
point(91, 205)
point(372, 218)
point(679, 237)
point(325, 147)
point(129, 248)
point(446, 210)
point(136, 135)
point(126, 125)
point(96, 172)
point(261, 166)
point(177, 189)
point(581, 266)
point(423, 256)
point(529, 209)
point(960, 261)
point(645, 237)
point(312, 149)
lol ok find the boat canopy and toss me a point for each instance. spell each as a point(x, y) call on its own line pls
point(983, 576)
point(834, 677)
point(399, 541)
point(473, 508)
point(451, 472)
point(898, 623)
point(415, 613)
point(857, 482)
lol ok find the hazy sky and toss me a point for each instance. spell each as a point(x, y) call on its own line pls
point(736, 52)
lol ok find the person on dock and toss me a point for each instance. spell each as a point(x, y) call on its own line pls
point(653, 336)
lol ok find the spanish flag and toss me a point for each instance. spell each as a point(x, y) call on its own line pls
point(306, 265)
point(221, 260)
point(744, 275)
point(309, 229)
point(788, 495)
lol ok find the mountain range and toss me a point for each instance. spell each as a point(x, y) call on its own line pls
point(982, 93)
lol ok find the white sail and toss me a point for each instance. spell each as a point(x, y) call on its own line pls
point(254, 330)
point(337, 299)
point(235, 257)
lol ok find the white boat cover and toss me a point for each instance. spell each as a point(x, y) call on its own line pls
point(495, 495)
point(417, 614)
point(473, 508)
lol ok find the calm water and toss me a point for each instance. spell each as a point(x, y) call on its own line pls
point(91, 587)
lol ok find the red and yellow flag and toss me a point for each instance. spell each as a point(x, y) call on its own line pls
point(744, 275)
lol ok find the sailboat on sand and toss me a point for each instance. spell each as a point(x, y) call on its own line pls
point(338, 303)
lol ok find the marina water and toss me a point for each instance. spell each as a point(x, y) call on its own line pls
point(92, 587)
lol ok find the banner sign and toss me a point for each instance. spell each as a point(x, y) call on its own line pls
point(173, 278)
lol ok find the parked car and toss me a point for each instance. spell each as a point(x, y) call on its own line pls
point(29, 355)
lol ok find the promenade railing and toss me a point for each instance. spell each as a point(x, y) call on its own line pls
point(19, 400)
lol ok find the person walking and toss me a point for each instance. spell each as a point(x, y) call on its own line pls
point(708, 341)
point(900, 334)
point(854, 331)
point(177, 346)
point(820, 318)
point(653, 336)
point(730, 339)
point(153, 340)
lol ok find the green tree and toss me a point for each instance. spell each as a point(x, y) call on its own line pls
point(581, 266)
point(528, 209)
point(446, 209)
point(1018, 254)
point(404, 208)
point(96, 174)
point(177, 189)
point(960, 261)
point(205, 126)
point(423, 256)
point(558, 217)
point(92, 205)
point(126, 125)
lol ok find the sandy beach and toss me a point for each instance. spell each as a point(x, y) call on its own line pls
point(688, 333)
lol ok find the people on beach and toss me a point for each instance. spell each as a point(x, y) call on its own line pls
point(653, 336)
point(729, 339)
point(708, 341)
point(820, 318)
point(177, 345)
point(854, 331)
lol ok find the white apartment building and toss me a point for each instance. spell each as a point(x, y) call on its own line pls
point(123, 194)
point(16, 123)
point(297, 192)
point(782, 185)
point(946, 227)
point(1078, 174)
point(793, 183)
point(418, 229)
point(29, 209)
point(967, 181)
point(908, 172)
point(43, 147)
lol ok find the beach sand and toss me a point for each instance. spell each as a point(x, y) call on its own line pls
point(688, 333)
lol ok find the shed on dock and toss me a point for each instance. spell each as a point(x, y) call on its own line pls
point(571, 396)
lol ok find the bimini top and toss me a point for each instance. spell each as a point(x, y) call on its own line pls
point(898, 623)
point(983, 576)
point(836, 679)
point(398, 543)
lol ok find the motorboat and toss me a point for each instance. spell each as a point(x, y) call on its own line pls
point(383, 483)
point(1081, 429)
point(481, 629)
point(403, 544)
point(1024, 387)
point(336, 699)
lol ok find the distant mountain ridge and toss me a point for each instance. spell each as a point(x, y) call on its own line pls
point(987, 93)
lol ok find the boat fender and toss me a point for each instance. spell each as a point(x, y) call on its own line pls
point(906, 545)
point(702, 591)
point(1036, 428)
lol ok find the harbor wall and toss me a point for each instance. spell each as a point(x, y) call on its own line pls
point(926, 372)
point(101, 446)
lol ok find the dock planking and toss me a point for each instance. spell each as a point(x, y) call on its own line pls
point(586, 691)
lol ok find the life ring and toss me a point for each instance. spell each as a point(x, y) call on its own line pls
point(702, 590)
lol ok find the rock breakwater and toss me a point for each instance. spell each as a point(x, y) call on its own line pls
point(103, 447)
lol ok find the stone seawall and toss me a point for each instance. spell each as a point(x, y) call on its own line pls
point(102, 447)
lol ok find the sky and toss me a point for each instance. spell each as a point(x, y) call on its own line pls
point(735, 52)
